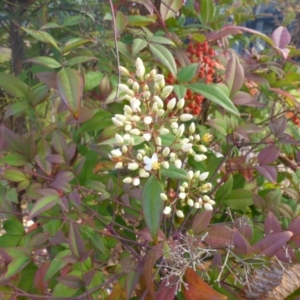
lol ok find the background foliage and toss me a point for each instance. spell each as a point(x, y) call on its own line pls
point(94, 236)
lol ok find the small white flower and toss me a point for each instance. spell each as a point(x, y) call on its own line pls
point(171, 104)
point(166, 165)
point(164, 131)
point(136, 181)
point(190, 202)
point(166, 151)
point(208, 206)
point(185, 117)
point(117, 122)
point(133, 166)
point(182, 196)
point(192, 128)
point(119, 165)
point(127, 180)
point(203, 176)
point(186, 147)
point(147, 136)
point(151, 163)
point(135, 131)
point(167, 210)
point(148, 120)
point(206, 186)
point(178, 163)
point(191, 138)
point(180, 103)
point(179, 214)
point(143, 173)
point(119, 139)
point(202, 148)
point(116, 153)
point(163, 196)
point(140, 68)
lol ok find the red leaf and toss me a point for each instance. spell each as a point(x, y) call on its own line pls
point(167, 289)
point(218, 236)
point(268, 155)
point(294, 227)
point(49, 78)
point(241, 245)
point(198, 289)
point(268, 172)
point(39, 278)
point(271, 225)
point(201, 221)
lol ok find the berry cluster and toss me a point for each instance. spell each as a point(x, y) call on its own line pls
point(202, 54)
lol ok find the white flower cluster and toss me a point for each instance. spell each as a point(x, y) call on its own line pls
point(147, 121)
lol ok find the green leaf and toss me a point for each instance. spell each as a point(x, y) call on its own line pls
point(152, 205)
point(206, 11)
point(179, 91)
point(170, 8)
point(70, 88)
point(173, 173)
point(57, 264)
point(43, 204)
point(225, 189)
point(138, 45)
point(14, 175)
point(198, 37)
point(74, 43)
point(43, 150)
point(14, 86)
point(45, 61)
point(215, 94)
point(73, 20)
point(160, 40)
point(140, 21)
point(80, 60)
point(42, 36)
point(16, 108)
point(164, 56)
point(99, 121)
point(121, 22)
point(16, 265)
point(92, 79)
point(187, 73)
point(239, 199)
point(13, 227)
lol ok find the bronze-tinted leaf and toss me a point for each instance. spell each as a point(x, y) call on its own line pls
point(201, 221)
point(271, 224)
point(218, 236)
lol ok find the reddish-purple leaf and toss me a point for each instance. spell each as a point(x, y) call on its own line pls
point(42, 205)
point(225, 31)
point(271, 225)
point(241, 245)
point(75, 198)
point(70, 88)
point(70, 281)
point(268, 155)
point(88, 277)
point(182, 57)
point(151, 257)
point(75, 241)
point(234, 74)
point(218, 236)
point(271, 244)
point(278, 126)
point(70, 152)
point(259, 202)
point(167, 288)
point(43, 151)
point(55, 159)
point(201, 221)
point(39, 278)
point(58, 238)
point(49, 78)
point(295, 228)
point(286, 255)
point(59, 142)
point(281, 37)
point(146, 235)
point(243, 225)
point(268, 172)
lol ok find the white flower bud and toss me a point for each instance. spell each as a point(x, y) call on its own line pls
point(158, 77)
point(146, 95)
point(136, 181)
point(190, 202)
point(163, 131)
point(139, 156)
point(153, 73)
point(197, 205)
point(171, 104)
point(147, 137)
point(202, 148)
point(212, 202)
point(116, 153)
point(135, 87)
point(155, 106)
point(119, 165)
point(190, 175)
point(167, 210)
point(160, 103)
point(200, 200)
point(130, 81)
point(197, 174)
point(140, 68)
point(166, 165)
point(174, 125)
point(166, 151)
point(185, 117)
point(143, 173)
point(182, 196)
point(133, 166)
point(206, 198)
point(123, 71)
point(208, 206)
point(197, 137)
point(135, 118)
point(163, 196)
point(192, 128)
point(119, 139)
point(123, 88)
point(148, 120)
point(198, 157)
point(180, 103)
point(135, 104)
point(147, 76)
point(158, 141)
point(117, 122)
point(181, 189)
point(179, 214)
point(128, 127)
point(167, 90)
point(186, 147)
point(126, 137)
point(180, 130)
point(191, 138)
point(121, 118)
point(135, 131)
point(124, 149)
point(203, 176)
point(185, 184)
point(160, 112)
point(178, 163)
point(142, 151)
point(127, 180)
point(128, 109)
